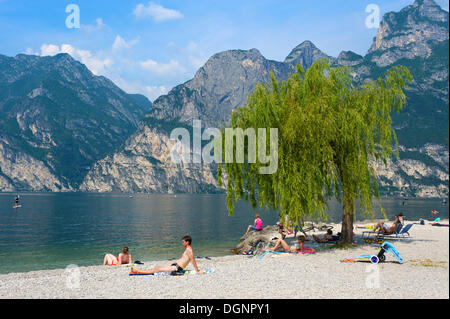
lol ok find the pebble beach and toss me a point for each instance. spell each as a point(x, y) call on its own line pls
point(424, 275)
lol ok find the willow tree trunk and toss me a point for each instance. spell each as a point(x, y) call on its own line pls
point(348, 214)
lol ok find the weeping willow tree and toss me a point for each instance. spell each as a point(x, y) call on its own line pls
point(329, 133)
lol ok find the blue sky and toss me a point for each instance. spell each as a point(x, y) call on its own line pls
point(148, 47)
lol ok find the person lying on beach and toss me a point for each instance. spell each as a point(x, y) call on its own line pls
point(326, 238)
point(123, 258)
point(385, 229)
point(257, 224)
point(282, 245)
point(179, 265)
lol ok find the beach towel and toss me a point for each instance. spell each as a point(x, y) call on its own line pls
point(380, 257)
point(186, 272)
point(371, 258)
point(279, 255)
point(181, 273)
point(309, 251)
point(146, 274)
point(367, 227)
point(439, 224)
point(273, 252)
point(123, 265)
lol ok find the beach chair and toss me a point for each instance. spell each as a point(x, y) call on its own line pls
point(400, 230)
point(403, 230)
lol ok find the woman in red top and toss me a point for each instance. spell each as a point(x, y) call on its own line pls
point(123, 258)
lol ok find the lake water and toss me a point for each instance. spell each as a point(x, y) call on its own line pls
point(54, 230)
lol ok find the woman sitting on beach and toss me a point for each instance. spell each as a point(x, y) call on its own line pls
point(257, 225)
point(282, 245)
point(123, 258)
point(385, 229)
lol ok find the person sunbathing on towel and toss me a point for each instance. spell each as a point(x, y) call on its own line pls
point(326, 238)
point(385, 229)
point(123, 258)
point(179, 265)
point(282, 245)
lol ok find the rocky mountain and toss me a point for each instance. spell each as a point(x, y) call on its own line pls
point(348, 58)
point(217, 88)
point(417, 37)
point(420, 171)
point(143, 164)
point(409, 33)
point(56, 120)
point(305, 54)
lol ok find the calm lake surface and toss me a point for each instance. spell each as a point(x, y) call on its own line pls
point(54, 230)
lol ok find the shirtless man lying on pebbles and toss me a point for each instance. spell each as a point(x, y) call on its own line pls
point(180, 265)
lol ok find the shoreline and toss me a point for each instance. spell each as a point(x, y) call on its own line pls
point(321, 275)
point(220, 192)
point(230, 253)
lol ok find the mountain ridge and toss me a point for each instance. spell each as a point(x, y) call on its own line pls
point(187, 102)
point(141, 162)
point(55, 113)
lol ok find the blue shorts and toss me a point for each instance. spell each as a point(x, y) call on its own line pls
point(254, 228)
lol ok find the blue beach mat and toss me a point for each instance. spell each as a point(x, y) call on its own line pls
point(159, 274)
point(186, 272)
point(273, 252)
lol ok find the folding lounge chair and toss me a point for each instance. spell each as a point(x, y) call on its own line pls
point(404, 230)
point(399, 230)
point(367, 234)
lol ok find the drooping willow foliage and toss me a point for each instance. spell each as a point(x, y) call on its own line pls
point(328, 132)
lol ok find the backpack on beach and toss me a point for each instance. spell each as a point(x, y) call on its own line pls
point(254, 249)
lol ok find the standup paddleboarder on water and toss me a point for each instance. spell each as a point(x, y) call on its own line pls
point(17, 201)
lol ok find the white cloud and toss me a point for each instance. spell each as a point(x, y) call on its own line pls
point(120, 43)
point(95, 64)
point(30, 51)
point(147, 76)
point(151, 92)
point(93, 27)
point(50, 49)
point(156, 12)
point(162, 68)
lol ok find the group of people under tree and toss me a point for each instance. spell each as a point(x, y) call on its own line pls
point(285, 225)
point(187, 257)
